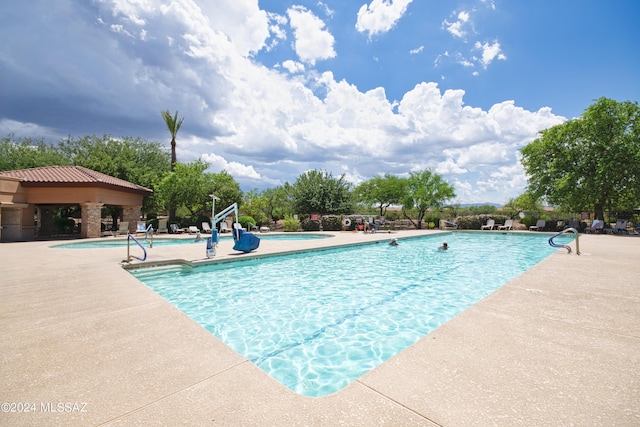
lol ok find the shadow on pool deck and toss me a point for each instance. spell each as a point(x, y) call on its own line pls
point(558, 345)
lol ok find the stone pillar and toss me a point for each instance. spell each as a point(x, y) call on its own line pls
point(132, 215)
point(91, 219)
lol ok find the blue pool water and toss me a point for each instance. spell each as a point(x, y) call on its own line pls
point(318, 320)
point(159, 241)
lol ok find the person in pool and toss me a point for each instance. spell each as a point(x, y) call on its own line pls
point(394, 242)
point(444, 246)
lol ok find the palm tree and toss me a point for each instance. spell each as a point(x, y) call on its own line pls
point(174, 125)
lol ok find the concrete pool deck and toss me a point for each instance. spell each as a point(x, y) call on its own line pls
point(84, 343)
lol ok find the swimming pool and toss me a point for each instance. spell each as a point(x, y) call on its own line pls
point(160, 241)
point(315, 321)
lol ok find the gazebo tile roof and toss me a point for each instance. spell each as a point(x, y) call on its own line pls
point(70, 175)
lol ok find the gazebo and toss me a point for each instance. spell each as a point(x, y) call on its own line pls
point(28, 198)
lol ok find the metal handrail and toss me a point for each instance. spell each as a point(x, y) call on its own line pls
point(567, 247)
point(129, 237)
point(149, 235)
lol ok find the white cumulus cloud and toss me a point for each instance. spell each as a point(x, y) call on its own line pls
point(312, 41)
point(380, 16)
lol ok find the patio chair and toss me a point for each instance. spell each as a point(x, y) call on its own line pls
point(621, 226)
point(508, 225)
point(597, 226)
point(489, 225)
point(141, 227)
point(540, 224)
point(175, 229)
point(224, 227)
point(162, 226)
point(205, 227)
point(193, 229)
point(123, 228)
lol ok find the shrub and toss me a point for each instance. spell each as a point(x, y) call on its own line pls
point(247, 222)
point(290, 223)
point(308, 224)
point(331, 223)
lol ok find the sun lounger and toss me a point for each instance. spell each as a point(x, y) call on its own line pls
point(123, 228)
point(508, 225)
point(489, 225)
point(597, 226)
point(540, 224)
point(162, 226)
point(175, 229)
point(205, 227)
point(193, 229)
point(621, 226)
point(141, 227)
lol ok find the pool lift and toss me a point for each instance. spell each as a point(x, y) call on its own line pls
point(244, 241)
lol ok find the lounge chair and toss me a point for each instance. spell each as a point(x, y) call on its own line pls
point(489, 225)
point(224, 227)
point(193, 229)
point(540, 224)
point(597, 226)
point(175, 229)
point(123, 228)
point(205, 227)
point(621, 226)
point(106, 232)
point(141, 227)
point(162, 226)
point(508, 225)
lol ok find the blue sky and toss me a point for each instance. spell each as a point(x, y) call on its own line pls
point(271, 89)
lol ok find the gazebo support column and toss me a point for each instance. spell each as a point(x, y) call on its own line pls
point(91, 219)
point(132, 215)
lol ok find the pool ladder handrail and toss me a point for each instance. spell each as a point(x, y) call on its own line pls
point(567, 247)
point(148, 235)
point(129, 256)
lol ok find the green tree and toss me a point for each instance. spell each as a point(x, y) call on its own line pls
point(526, 202)
point(589, 163)
point(226, 188)
point(24, 153)
point(133, 159)
point(381, 192)
point(279, 202)
point(173, 124)
point(254, 205)
point(425, 190)
point(184, 188)
point(319, 192)
point(189, 188)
